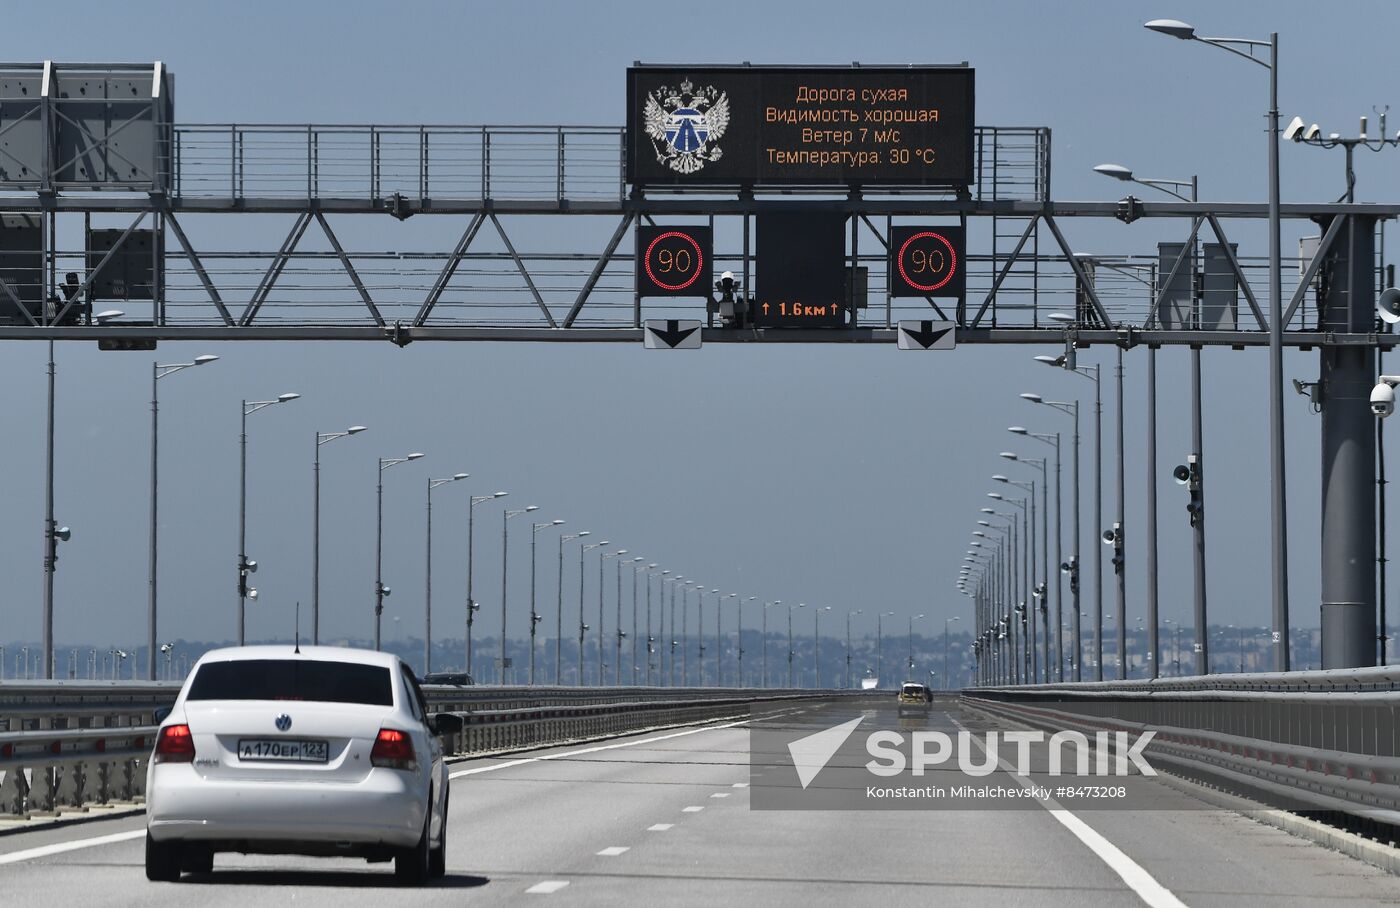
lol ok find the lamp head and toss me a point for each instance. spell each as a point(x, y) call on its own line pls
point(457, 476)
point(532, 507)
point(414, 456)
point(1033, 398)
point(500, 495)
point(355, 430)
point(283, 398)
point(1117, 171)
point(205, 358)
point(1017, 430)
point(1174, 27)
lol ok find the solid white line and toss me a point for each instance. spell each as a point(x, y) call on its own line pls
point(548, 886)
point(44, 851)
point(590, 750)
point(660, 827)
point(613, 851)
point(1144, 884)
point(692, 809)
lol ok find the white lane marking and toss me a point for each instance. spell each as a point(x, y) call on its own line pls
point(740, 785)
point(660, 827)
point(613, 851)
point(548, 886)
point(590, 750)
point(692, 809)
point(1142, 883)
point(720, 794)
point(43, 851)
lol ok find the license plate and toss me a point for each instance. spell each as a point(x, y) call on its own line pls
point(282, 751)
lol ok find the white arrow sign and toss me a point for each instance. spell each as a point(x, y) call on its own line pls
point(671, 334)
point(927, 335)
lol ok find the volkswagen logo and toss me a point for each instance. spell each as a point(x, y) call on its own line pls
point(284, 722)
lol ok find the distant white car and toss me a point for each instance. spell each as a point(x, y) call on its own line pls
point(323, 751)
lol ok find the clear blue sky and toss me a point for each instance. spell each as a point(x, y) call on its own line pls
point(841, 476)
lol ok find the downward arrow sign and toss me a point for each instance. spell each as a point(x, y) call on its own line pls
point(927, 335)
point(673, 334)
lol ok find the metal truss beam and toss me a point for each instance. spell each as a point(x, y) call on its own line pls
point(680, 205)
point(1083, 337)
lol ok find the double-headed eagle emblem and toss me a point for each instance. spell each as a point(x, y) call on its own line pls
point(686, 125)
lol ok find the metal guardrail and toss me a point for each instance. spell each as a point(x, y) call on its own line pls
point(66, 746)
point(1326, 740)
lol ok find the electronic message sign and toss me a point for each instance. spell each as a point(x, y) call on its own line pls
point(801, 270)
point(927, 261)
point(674, 261)
point(746, 125)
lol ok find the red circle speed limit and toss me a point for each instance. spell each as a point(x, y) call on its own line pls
point(926, 261)
point(673, 261)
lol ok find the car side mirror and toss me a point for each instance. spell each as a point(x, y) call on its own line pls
point(446, 724)
point(162, 713)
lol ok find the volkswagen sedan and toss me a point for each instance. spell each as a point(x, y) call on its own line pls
point(314, 751)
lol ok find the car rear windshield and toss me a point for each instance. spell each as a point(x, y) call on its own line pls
point(912, 690)
point(293, 679)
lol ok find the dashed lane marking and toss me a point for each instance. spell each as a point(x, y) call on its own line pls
point(548, 886)
point(692, 809)
point(613, 851)
point(660, 827)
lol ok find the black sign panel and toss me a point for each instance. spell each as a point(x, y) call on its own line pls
point(674, 261)
point(802, 271)
point(741, 125)
point(927, 261)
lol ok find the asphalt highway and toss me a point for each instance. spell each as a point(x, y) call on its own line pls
point(663, 819)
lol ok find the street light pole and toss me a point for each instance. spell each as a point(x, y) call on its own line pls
point(911, 644)
point(719, 637)
point(322, 438)
point(506, 515)
point(621, 635)
point(848, 644)
point(791, 651)
point(380, 590)
point(583, 628)
point(428, 575)
point(158, 372)
point(1073, 565)
point(880, 645)
point(740, 637)
point(1278, 485)
point(559, 606)
point(766, 607)
point(945, 650)
point(535, 616)
point(817, 645)
point(245, 565)
point(472, 605)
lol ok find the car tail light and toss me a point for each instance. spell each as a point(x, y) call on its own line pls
point(393, 749)
point(175, 745)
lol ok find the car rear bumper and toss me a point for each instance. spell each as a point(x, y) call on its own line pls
point(384, 808)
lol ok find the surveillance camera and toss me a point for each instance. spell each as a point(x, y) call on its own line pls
point(1182, 474)
point(1294, 132)
point(1383, 400)
point(1312, 133)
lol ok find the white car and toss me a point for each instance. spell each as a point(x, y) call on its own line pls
point(317, 751)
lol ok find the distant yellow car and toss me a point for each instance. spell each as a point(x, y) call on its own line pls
point(912, 694)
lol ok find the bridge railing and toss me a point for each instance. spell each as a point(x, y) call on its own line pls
point(1326, 739)
point(67, 746)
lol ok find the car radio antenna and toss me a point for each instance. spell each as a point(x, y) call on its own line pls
point(296, 648)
